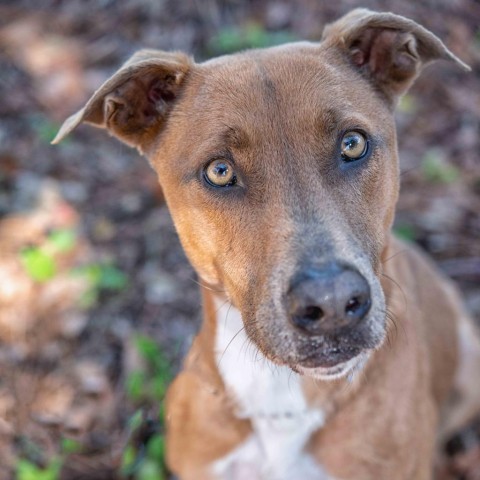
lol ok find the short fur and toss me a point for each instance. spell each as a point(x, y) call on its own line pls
point(369, 405)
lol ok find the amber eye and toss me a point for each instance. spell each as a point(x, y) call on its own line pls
point(354, 146)
point(219, 173)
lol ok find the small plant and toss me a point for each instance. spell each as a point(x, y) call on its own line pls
point(150, 383)
point(146, 386)
point(146, 461)
point(69, 446)
point(405, 231)
point(39, 265)
point(437, 169)
point(102, 276)
point(27, 470)
point(40, 261)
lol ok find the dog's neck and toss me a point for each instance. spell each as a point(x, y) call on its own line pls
point(276, 400)
point(269, 395)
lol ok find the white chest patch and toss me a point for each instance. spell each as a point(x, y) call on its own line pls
point(272, 398)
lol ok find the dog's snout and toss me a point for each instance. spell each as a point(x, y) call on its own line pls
point(326, 299)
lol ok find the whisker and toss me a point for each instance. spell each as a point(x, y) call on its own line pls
point(363, 373)
point(397, 322)
point(207, 287)
point(258, 356)
point(393, 320)
point(247, 343)
point(408, 170)
point(316, 382)
point(394, 255)
point(220, 307)
point(388, 340)
point(347, 384)
point(226, 316)
point(288, 381)
point(229, 343)
point(405, 301)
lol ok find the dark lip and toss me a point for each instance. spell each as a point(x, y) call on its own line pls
point(339, 349)
point(330, 358)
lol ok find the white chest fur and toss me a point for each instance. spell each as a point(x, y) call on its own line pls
point(272, 398)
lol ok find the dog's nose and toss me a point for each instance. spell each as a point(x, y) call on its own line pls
point(326, 299)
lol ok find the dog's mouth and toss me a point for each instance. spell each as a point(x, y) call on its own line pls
point(335, 342)
point(334, 372)
point(325, 357)
point(330, 358)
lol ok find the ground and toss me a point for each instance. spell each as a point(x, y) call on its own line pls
point(97, 301)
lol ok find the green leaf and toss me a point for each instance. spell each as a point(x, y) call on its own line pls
point(405, 232)
point(28, 471)
point(147, 348)
point(69, 445)
point(100, 276)
point(436, 168)
point(159, 386)
point(150, 470)
point(93, 273)
point(136, 420)
point(156, 448)
point(63, 240)
point(53, 469)
point(128, 460)
point(39, 265)
point(135, 385)
point(111, 278)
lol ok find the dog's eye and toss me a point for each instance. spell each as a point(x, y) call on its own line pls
point(219, 173)
point(354, 146)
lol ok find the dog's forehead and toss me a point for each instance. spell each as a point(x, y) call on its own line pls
point(268, 74)
point(294, 84)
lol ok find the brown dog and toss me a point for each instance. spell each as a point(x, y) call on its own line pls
point(329, 350)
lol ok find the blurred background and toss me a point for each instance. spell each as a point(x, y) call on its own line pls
point(97, 302)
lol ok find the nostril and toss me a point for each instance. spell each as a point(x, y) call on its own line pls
point(353, 305)
point(309, 317)
point(313, 313)
point(357, 306)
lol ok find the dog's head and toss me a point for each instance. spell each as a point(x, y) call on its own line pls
point(280, 170)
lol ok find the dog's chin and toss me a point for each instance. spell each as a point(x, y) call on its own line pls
point(348, 368)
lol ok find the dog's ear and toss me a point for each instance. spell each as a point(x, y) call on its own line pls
point(135, 102)
point(389, 49)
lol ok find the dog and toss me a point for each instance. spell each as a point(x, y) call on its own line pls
point(329, 349)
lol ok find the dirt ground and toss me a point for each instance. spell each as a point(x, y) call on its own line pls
point(97, 302)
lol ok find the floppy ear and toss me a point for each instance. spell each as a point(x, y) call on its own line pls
point(134, 103)
point(388, 49)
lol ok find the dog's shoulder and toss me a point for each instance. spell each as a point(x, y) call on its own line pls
point(423, 296)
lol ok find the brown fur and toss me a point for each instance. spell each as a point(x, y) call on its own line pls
point(276, 114)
